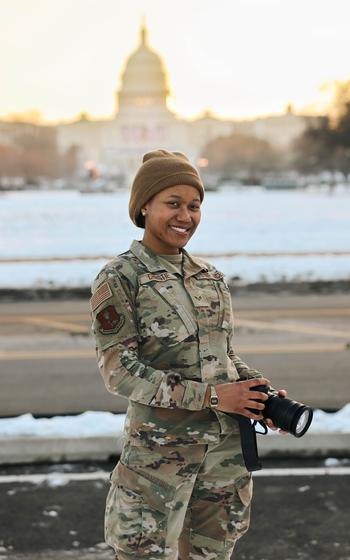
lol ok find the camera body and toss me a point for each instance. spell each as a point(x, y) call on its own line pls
point(288, 415)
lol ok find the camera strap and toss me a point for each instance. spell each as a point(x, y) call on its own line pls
point(248, 443)
point(263, 425)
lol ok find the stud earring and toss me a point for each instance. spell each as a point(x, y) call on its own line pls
point(143, 212)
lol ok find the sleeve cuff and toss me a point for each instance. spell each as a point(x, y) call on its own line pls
point(194, 395)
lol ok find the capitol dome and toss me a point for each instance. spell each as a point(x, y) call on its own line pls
point(144, 80)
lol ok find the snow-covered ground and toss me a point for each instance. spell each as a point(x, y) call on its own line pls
point(69, 224)
point(94, 424)
point(249, 269)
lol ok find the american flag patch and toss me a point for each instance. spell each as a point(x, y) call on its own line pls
point(102, 293)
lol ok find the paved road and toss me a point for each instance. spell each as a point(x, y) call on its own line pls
point(297, 516)
point(48, 365)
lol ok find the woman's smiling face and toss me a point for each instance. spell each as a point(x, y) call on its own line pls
point(171, 218)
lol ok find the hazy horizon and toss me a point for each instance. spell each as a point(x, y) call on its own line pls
point(240, 60)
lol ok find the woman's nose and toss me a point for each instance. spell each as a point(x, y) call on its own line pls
point(183, 214)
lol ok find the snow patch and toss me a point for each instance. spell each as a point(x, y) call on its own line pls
point(107, 424)
point(87, 424)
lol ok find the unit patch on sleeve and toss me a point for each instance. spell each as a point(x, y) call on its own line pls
point(102, 293)
point(110, 320)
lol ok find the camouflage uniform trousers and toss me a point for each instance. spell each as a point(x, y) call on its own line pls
point(172, 501)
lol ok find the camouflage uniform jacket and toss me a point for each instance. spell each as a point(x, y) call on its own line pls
point(152, 351)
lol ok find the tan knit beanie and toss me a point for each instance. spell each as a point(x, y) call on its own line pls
point(160, 169)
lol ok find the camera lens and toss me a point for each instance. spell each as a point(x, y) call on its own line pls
point(303, 421)
point(291, 416)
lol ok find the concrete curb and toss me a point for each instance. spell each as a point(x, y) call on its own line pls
point(311, 445)
point(51, 450)
point(23, 450)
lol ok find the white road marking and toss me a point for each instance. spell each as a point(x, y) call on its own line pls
point(52, 355)
point(46, 321)
point(292, 327)
point(289, 348)
point(295, 312)
point(13, 318)
point(244, 313)
point(304, 471)
point(9, 355)
point(53, 478)
point(57, 325)
point(58, 478)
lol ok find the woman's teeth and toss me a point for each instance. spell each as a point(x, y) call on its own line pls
point(178, 229)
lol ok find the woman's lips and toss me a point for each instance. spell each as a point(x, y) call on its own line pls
point(180, 230)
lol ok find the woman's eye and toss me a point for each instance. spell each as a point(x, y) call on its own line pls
point(176, 205)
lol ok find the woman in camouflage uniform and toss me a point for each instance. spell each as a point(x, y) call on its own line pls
point(163, 325)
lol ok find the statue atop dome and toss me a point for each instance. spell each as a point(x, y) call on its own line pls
point(144, 32)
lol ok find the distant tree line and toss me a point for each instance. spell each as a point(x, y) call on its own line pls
point(242, 156)
point(324, 146)
point(36, 155)
point(327, 146)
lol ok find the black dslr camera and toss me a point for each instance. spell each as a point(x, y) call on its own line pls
point(288, 415)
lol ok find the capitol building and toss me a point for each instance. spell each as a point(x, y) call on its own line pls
point(143, 122)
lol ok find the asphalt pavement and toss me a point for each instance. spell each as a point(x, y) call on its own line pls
point(295, 515)
point(301, 342)
point(48, 366)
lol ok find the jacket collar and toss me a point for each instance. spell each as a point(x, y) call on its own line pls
point(192, 265)
point(146, 256)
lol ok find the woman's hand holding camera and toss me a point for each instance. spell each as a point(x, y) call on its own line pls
point(238, 398)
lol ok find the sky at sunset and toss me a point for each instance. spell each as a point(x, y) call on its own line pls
point(239, 58)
